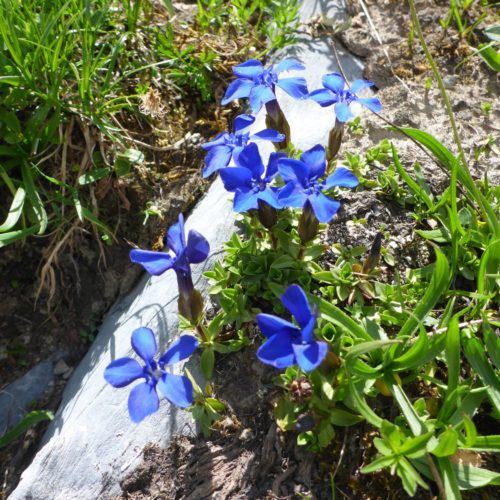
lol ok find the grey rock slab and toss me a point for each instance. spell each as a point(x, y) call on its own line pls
point(92, 444)
point(17, 398)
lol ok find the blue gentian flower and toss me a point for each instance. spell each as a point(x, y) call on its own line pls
point(143, 399)
point(249, 180)
point(229, 145)
point(342, 97)
point(288, 344)
point(193, 252)
point(259, 83)
point(303, 184)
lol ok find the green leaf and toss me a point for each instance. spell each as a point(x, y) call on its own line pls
point(285, 414)
point(284, 262)
point(488, 266)
point(449, 478)
point(447, 443)
point(437, 287)
point(474, 352)
point(215, 404)
point(207, 361)
point(379, 463)
point(452, 353)
point(15, 211)
point(493, 32)
point(28, 421)
point(490, 56)
point(415, 446)
point(336, 316)
point(93, 176)
point(12, 236)
point(343, 418)
point(474, 477)
point(414, 186)
point(414, 421)
point(441, 235)
point(34, 198)
point(358, 403)
point(486, 443)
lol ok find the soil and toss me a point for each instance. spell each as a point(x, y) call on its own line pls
point(247, 456)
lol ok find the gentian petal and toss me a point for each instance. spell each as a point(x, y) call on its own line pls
point(310, 356)
point(178, 389)
point(155, 263)
point(235, 178)
point(197, 247)
point(343, 112)
point(175, 236)
point(324, 97)
point(249, 69)
point(260, 95)
point(244, 201)
point(324, 208)
point(358, 85)
point(236, 153)
point(270, 196)
point(372, 103)
point(271, 325)
point(288, 65)
point(315, 159)
point(277, 351)
point(268, 134)
point(295, 87)
point(295, 300)
point(217, 158)
point(292, 197)
point(295, 171)
point(242, 122)
point(144, 343)
point(241, 87)
point(180, 349)
point(219, 140)
point(122, 371)
point(342, 177)
point(250, 159)
point(308, 329)
point(334, 82)
point(142, 401)
point(272, 165)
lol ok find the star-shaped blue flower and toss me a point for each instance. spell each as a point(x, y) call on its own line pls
point(193, 252)
point(288, 344)
point(249, 180)
point(303, 184)
point(342, 97)
point(143, 399)
point(229, 145)
point(259, 83)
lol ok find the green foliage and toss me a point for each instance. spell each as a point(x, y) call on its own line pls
point(29, 420)
point(273, 23)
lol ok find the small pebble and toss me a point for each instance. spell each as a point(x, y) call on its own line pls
point(61, 367)
point(246, 435)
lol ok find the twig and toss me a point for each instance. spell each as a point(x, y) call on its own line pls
point(436, 476)
point(341, 454)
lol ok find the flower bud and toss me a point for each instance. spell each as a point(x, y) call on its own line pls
point(308, 224)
